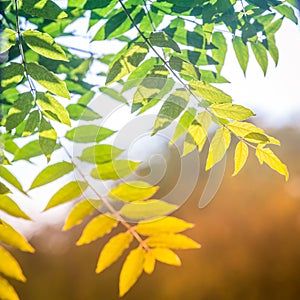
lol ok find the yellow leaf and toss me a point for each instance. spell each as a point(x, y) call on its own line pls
point(9, 266)
point(240, 157)
point(173, 241)
point(218, 147)
point(266, 155)
point(113, 250)
point(163, 225)
point(166, 256)
point(131, 270)
point(7, 292)
point(96, 229)
point(149, 263)
point(231, 111)
point(11, 208)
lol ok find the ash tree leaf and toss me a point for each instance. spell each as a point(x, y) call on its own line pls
point(8, 38)
point(114, 170)
point(4, 189)
point(272, 48)
point(240, 157)
point(173, 241)
point(131, 270)
point(32, 123)
point(48, 80)
point(52, 109)
point(113, 94)
point(69, 192)
point(184, 67)
point(273, 27)
point(100, 154)
point(231, 111)
point(161, 39)
point(81, 210)
point(209, 92)
point(9, 266)
point(218, 147)
point(88, 134)
point(11, 74)
point(51, 173)
point(260, 53)
point(11, 237)
point(166, 256)
point(140, 210)
point(266, 155)
point(28, 151)
point(241, 52)
point(47, 138)
point(10, 207)
point(162, 225)
point(133, 191)
point(149, 262)
point(19, 110)
point(219, 53)
point(287, 12)
point(7, 292)
point(10, 178)
point(113, 250)
point(257, 137)
point(81, 112)
point(127, 63)
point(97, 228)
point(43, 8)
point(43, 44)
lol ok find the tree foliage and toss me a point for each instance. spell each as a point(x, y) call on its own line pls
point(164, 42)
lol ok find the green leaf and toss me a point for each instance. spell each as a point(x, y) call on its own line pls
point(32, 123)
point(114, 170)
point(260, 54)
point(273, 27)
point(209, 92)
point(127, 63)
point(100, 154)
point(241, 52)
point(139, 210)
point(166, 256)
point(219, 54)
point(162, 225)
point(113, 250)
point(81, 112)
point(133, 191)
point(184, 67)
point(10, 207)
point(7, 292)
point(267, 155)
point(171, 109)
point(8, 39)
point(161, 39)
point(218, 147)
point(240, 157)
point(13, 238)
point(11, 74)
point(48, 80)
point(257, 137)
point(43, 8)
point(131, 270)
point(19, 110)
point(4, 189)
point(173, 241)
point(51, 173)
point(97, 228)
point(89, 134)
point(47, 138)
point(69, 192)
point(28, 151)
point(52, 109)
point(272, 48)
point(231, 111)
point(10, 178)
point(81, 210)
point(287, 11)
point(44, 44)
point(10, 267)
point(113, 94)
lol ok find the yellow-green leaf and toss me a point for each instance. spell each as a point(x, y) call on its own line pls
point(13, 238)
point(8, 39)
point(231, 111)
point(240, 157)
point(131, 270)
point(161, 39)
point(32, 123)
point(10, 178)
point(266, 155)
point(11, 208)
point(80, 211)
point(149, 262)
point(166, 256)
point(7, 292)
point(241, 52)
point(173, 241)
point(9, 266)
point(163, 225)
point(44, 44)
point(97, 228)
point(11, 74)
point(70, 191)
point(133, 191)
point(218, 147)
point(260, 53)
point(113, 250)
